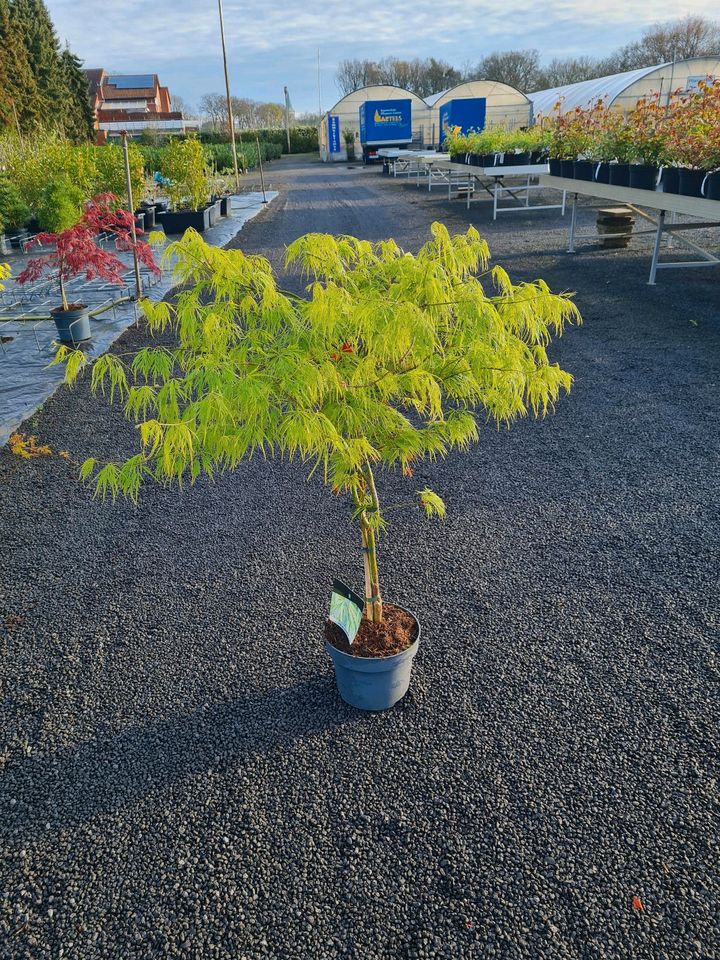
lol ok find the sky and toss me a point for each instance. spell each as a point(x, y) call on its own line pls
point(272, 43)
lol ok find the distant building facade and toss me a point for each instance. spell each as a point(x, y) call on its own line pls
point(133, 102)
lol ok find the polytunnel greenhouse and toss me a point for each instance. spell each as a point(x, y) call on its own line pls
point(503, 106)
point(623, 90)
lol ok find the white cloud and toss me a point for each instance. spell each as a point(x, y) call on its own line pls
point(274, 42)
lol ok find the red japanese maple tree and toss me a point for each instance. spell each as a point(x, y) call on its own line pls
point(77, 249)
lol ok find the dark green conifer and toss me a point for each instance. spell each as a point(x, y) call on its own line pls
point(20, 103)
point(79, 119)
point(33, 23)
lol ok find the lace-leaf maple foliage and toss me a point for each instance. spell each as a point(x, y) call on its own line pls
point(388, 359)
point(77, 250)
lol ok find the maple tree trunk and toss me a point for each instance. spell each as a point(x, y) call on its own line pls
point(373, 599)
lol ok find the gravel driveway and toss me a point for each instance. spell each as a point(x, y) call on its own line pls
point(178, 777)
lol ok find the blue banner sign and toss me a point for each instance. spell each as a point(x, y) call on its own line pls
point(333, 123)
point(385, 121)
point(462, 115)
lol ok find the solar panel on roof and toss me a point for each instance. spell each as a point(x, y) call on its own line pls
point(132, 81)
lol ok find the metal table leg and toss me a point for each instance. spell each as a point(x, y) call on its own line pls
point(656, 250)
point(573, 221)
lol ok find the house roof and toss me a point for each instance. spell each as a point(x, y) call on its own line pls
point(117, 87)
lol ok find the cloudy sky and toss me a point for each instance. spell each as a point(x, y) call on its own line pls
point(275, 42)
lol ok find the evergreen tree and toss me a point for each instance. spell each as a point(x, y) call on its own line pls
point(32, 20)
point(19, 99)
point(79, 119)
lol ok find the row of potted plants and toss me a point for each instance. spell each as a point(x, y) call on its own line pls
point(499, 147)
point(668, 144)
point(45, 182)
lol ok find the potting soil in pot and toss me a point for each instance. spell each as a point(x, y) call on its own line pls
point(396, 633)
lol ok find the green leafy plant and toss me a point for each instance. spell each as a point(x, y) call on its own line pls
point(110, 171)
point(384, 363)
point(14, 212)
point(61, 206)
point(183, 163)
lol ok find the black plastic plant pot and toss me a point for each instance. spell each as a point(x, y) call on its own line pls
point(711, 187)
point(225, 206)
point(643, 176)
point(567, 169)
point(517, 159)
point(583, 169)
point(555, 167)
point(538, 156)
point(140, 220)
point(602, 172)
point(691, 182)
point(149, 213)
point(670, 180)
point(458, 157)
point(181, 220)
point(488, 159)
point(620, 174)
point(475, 159)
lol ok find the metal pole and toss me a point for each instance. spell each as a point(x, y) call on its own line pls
point(287, 117)
point(131, 211)
point(262, 177)
point(320, 112)
point(229, 101)
point(656, 249)
point(573, 219)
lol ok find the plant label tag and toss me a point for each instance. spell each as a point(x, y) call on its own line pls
point(346, 609)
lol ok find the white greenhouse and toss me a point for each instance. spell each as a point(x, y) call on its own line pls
point(347, 110)
point(504, 105)
point(621, 91)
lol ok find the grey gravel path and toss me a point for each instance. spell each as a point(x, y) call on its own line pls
point(178, 777)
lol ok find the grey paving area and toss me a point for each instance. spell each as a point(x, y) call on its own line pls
point(178, 777)
point(27, 334)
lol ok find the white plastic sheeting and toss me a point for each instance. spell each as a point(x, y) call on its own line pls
point(622, 90)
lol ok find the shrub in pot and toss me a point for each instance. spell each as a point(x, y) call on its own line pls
point(61, 206)
point(188, 186)
point(383, 363)
point(14, 212)
point(75, 251)
point(648, 123)
point(349, 138)
point(694, 143)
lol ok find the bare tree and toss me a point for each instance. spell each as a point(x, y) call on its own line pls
point(178, 105)
point(353, 74)
point(214, 107)
point(270, 114)
point(664, 42)
point(518, 68)
point(571, 70)
point(421, 77)
point(244, 113)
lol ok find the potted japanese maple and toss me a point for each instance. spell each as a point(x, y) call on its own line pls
point(76, 251)
point(385, 362)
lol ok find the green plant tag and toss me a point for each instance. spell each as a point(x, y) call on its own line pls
point(346, 609)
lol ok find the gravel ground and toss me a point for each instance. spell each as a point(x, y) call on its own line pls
point(179, 777)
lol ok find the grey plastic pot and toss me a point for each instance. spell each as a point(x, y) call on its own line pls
point(373, 683)
point(73, 326)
